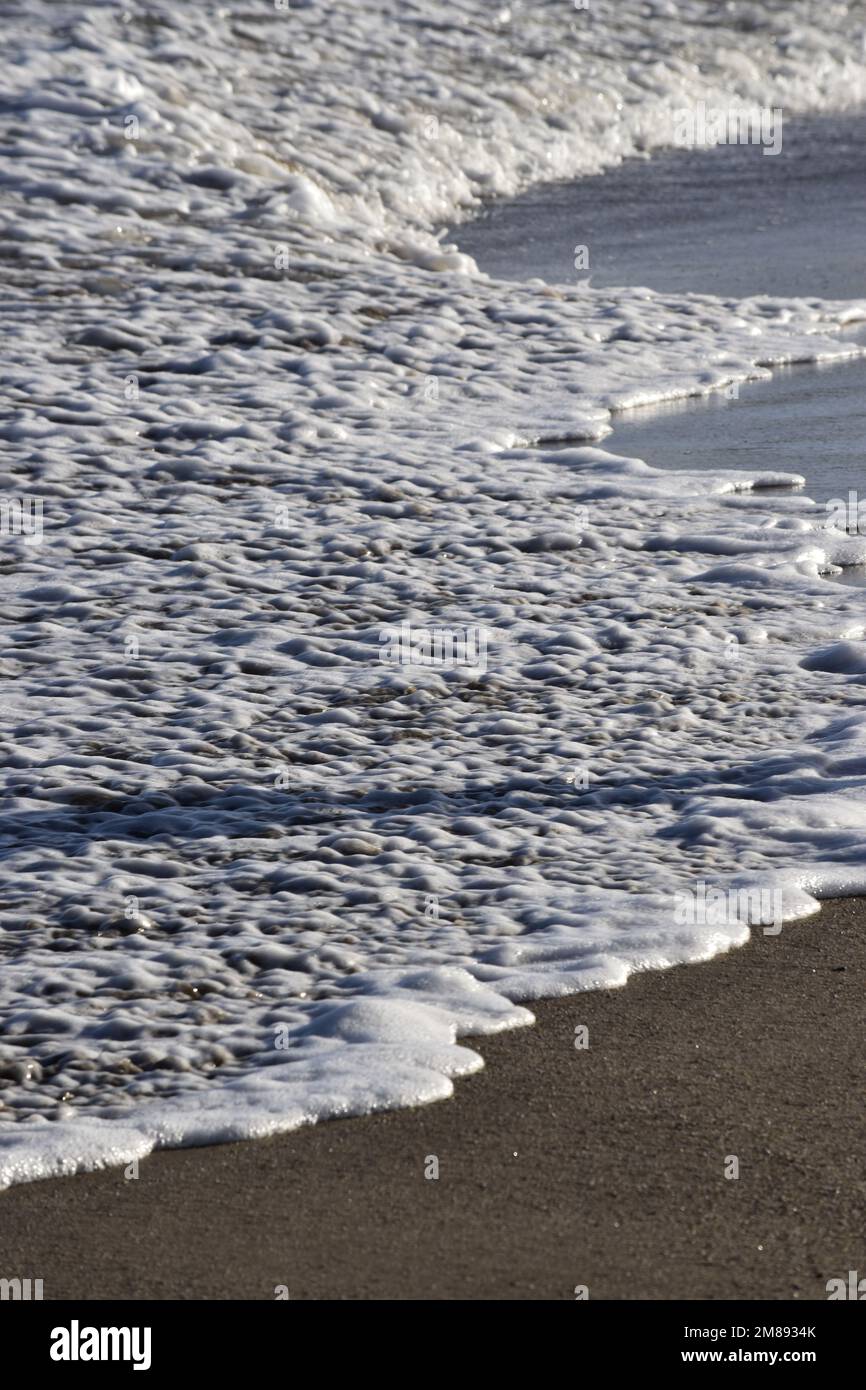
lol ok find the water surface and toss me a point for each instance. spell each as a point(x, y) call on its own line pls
point(729, 221)
point(733, 222)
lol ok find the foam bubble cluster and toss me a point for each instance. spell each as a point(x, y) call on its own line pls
point(258, 870)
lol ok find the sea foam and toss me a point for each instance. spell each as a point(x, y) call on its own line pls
point(255, 877)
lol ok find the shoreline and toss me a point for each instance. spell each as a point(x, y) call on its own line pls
point(602, 1167)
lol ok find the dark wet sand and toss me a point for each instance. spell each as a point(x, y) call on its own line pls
point(558, 1167)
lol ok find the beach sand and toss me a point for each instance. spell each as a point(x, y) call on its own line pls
point(558, 1167)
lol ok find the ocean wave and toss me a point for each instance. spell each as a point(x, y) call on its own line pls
point(259, 869)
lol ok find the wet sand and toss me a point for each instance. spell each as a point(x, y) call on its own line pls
point(558, 1167)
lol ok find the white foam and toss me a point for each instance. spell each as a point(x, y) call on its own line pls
point(253, 876)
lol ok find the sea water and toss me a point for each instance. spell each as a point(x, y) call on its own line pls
point(259, 413)
point(729, 221)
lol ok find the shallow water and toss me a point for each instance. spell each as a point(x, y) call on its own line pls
point(729, 220)
point(726, 221)
point(807, 419)
point(253, 875)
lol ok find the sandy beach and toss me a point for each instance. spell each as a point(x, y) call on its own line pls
point(558, 1166)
